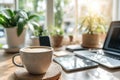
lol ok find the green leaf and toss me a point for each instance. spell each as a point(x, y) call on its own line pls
point(8, 13)
point(4, 21)
point(21, 24)
point(33, 25)
point(23, 14)
point(1, 45)
point(33, 16)
point(15, 18)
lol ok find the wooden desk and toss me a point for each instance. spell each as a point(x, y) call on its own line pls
point(100, 73)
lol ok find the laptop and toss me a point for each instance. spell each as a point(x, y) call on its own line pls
point(109, 56)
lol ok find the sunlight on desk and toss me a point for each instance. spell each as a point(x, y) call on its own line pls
point(61, 53)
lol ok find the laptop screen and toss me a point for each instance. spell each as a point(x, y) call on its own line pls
point(112, 42)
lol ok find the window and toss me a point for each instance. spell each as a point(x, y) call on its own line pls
point(64, 14)
point(7, 4)
point(97, 6)
point(72, 11)
point(38, 6)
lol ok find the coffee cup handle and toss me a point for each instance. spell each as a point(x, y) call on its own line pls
point(13, 61)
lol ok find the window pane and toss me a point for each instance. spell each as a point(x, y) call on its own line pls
point(67, 12)
point(38, 6)
point(102, 7)
point(64, 14)
point(6, 4)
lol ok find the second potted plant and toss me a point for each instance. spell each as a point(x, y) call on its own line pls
point(94, 27)
point(57, 36)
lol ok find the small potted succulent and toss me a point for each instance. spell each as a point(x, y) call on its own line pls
point(57, 35)
point(35, 35)
point(14, 22)
point(71, 37)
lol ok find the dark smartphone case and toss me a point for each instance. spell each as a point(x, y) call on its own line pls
point(44, 41)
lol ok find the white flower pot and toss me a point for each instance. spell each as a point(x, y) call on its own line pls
point(13, 41)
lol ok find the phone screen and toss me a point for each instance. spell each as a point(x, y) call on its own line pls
point(73, 63)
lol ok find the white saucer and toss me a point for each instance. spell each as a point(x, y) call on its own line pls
point(10, 50)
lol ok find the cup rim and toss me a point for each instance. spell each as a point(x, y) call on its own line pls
point(47, 47)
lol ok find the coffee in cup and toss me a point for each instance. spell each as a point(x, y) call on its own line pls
point(35, 59)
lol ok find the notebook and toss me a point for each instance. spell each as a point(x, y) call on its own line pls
point(109, 56)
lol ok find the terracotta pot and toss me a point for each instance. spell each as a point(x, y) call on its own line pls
point(35, 41)
point(92, 40)
point(70, 38)
point(57, 40)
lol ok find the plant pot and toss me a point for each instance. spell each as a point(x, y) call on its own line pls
point(71, 38)
point(35, 41)
point(13, 41)
point(57, 40)
point(92, 40)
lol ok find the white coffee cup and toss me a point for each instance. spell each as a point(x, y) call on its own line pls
point(35, 59)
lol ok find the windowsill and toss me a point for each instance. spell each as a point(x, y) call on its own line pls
point(66, 40)
point(76, 40)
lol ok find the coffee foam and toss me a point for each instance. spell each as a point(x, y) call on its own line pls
point(35, 50)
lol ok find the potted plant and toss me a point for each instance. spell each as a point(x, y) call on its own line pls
point(71, 37)
point(94, 28)
point(39, 34)
point(35, 35)
point(57, 36)
point(15, 23)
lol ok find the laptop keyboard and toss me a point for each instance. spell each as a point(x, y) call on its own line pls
point(109, 62)
point(111, 56)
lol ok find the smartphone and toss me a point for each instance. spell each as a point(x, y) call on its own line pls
point(72, 63)
point(44, 41)
point(73, 48)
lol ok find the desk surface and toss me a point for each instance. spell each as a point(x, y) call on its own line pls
point(100, 73)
